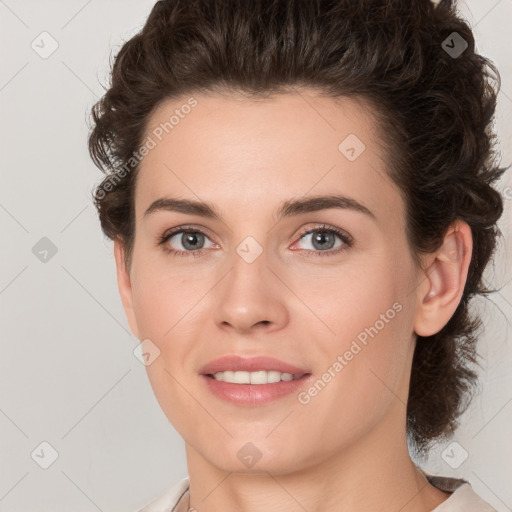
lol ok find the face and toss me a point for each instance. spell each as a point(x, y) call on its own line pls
point(328, 287)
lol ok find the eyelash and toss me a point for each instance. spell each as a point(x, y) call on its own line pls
point(345, 238)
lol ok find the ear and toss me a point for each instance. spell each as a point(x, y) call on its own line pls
point(124, 285)
point(444, 280)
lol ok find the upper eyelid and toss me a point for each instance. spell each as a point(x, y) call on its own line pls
point(183, 229)
point(326, 227)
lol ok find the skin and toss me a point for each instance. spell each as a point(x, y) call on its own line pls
point(345, 449)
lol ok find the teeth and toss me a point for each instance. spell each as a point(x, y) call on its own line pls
point(260, 377)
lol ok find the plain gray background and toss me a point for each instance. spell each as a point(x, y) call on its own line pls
point(68, 374)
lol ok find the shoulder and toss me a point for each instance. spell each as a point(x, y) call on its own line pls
point(463, 497)
point(169, 499)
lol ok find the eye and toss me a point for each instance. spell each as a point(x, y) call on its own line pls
point(323, 241)
point(191, 241)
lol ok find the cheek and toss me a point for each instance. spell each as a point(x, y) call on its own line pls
point(364, 366)
point(163, 298)
point(350, 298)
point(366, 318)
point(164, 307)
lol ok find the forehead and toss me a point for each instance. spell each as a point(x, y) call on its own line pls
point(233, 151)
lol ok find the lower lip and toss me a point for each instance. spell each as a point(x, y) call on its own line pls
point(253, 394)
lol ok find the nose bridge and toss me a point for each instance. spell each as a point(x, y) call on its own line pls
point(249, 250)
point(248, 268)
point(247, 297)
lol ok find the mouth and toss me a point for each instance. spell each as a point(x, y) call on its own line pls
point(252, 381)
point(260, 377)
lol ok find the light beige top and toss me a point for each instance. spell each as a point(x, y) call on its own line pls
point(462, 499)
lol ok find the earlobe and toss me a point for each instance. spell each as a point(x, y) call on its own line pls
point(124, 285)
point(445, 279)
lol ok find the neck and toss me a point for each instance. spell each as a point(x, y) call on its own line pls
point(374, 473)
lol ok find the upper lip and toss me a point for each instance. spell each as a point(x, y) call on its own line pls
point(249, 364)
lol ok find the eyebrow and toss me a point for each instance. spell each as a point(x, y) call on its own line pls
point(288, 208)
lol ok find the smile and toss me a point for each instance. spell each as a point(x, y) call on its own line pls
point(258, 377)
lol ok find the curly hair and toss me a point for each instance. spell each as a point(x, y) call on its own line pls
point(434, 110)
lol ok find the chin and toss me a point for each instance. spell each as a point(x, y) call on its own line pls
point(252, 458)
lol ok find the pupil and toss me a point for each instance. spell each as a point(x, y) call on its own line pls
point(191, 238)
point(321, 239)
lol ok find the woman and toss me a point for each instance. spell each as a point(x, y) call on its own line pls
point(300, 197)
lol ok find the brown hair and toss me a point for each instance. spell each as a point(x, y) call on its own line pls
point(434, 111)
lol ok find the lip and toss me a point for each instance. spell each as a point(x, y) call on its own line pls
point(249, 364)
point(252, 395)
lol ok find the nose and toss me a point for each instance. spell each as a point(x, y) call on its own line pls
point(251, 297)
